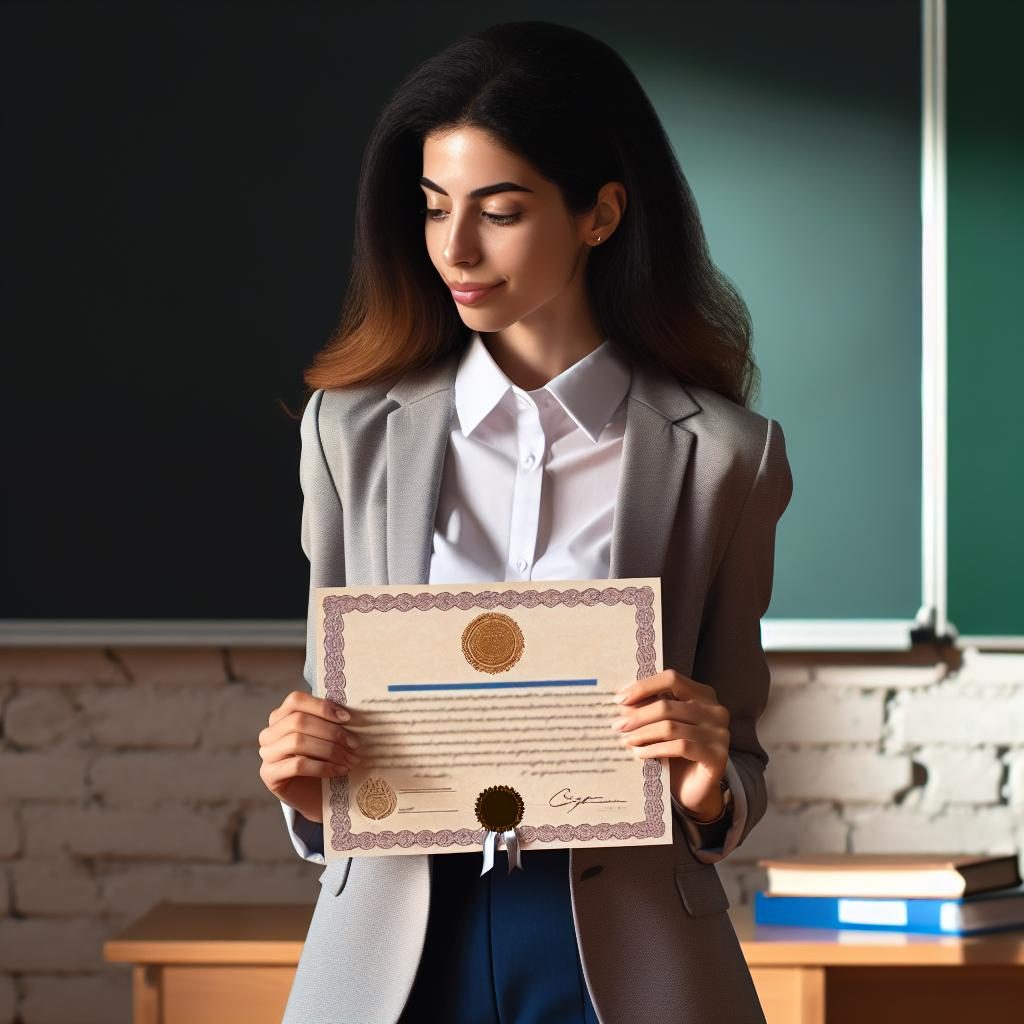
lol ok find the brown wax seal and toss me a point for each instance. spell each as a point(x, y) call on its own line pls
point(376, 799)
point(499, 808)
point(492, 642)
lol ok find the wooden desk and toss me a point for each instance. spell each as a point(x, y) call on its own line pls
point(202, 964)
point(212, 964)
point(811, 975)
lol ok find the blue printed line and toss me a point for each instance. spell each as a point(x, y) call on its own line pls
point(492, 686)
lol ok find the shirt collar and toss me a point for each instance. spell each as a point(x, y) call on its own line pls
point(589, 391)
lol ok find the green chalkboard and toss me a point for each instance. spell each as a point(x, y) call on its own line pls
point(986, 340)
point(799, 129)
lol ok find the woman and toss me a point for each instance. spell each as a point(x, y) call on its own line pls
point(540, 374)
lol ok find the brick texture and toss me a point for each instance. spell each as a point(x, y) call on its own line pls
point(8, 999)
point(131, 776)
point(93, 999)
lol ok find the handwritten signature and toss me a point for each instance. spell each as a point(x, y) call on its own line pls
point(563, 798)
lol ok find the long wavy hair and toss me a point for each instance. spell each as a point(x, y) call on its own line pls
point(570, 105)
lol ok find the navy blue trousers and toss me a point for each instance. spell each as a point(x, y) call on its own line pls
point(500, 949)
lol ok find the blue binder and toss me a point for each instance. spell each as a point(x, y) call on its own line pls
point(994, 911)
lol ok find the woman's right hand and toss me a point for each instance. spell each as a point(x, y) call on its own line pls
point(304, 742)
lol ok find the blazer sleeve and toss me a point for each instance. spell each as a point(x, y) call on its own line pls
point(323, 545)
point(729, 655)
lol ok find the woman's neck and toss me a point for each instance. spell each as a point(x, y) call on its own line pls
point(529, 361)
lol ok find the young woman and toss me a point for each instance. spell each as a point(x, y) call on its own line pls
point(540, 374)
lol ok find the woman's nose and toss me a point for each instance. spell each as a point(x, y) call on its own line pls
point(462, 246)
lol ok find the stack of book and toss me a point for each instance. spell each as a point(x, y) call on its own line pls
point(944, 895)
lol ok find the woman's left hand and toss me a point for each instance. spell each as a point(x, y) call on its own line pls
point(670, 715)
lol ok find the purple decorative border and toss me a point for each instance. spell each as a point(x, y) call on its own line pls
point(338, 606)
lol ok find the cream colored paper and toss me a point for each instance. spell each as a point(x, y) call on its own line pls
point(429, 753)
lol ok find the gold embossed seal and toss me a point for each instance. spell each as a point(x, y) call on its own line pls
point(493, 642)
point(499, 808)
point(376, 799)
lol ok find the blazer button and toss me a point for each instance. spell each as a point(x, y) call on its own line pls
point(590, 872)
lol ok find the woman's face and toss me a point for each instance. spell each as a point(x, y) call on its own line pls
point(519, 240)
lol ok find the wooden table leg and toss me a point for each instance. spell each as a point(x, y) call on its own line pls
point(145, 994)
point(791, 995)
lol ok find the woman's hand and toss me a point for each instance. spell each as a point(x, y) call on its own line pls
point(304, 743)
point(671, 715)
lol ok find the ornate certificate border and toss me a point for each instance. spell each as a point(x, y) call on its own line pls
point(338, 606)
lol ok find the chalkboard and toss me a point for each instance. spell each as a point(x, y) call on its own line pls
point(986, 340)
point(178, 212)
point(799, 128)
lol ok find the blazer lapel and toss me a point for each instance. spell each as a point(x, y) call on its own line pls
point(656, 451)
point(417, 438)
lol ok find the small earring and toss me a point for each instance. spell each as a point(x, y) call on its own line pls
point(597, 240)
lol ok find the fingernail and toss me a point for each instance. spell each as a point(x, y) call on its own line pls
point(351, 740)
point(341, 714)
point(619, 723)
point(620, 697)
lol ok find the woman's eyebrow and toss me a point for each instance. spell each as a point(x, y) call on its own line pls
point(479, 193)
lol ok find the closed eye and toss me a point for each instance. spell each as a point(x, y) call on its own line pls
point(494, 218)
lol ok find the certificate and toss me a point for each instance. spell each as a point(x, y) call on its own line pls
point(483, 709)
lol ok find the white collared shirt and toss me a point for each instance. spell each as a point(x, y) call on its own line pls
point(528, 490)
point(529, 483)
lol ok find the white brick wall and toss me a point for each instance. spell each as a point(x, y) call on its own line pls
point(128, 777)
point(880, 757)
point(132, 776)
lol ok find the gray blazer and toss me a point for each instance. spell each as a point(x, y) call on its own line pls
point(703, 483)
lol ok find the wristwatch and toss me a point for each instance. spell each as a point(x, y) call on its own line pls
point(710, 834)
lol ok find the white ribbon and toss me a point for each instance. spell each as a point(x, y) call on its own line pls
point(512, 847)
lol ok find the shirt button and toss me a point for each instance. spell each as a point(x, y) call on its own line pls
point(529, 460)
point(521, 564)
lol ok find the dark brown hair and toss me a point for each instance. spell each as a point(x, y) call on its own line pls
point(570, 105)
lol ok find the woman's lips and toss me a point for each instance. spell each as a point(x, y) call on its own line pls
point(473, 295)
